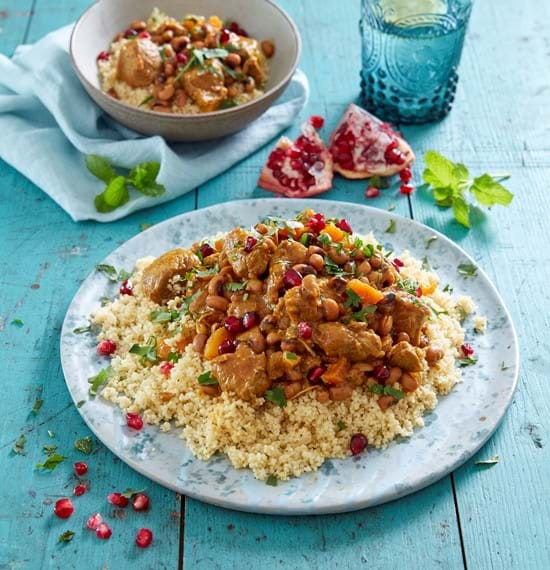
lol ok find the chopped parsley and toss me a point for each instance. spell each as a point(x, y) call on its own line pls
point(37, 405)
point(467, 269)
point(147, 352)
point(352, 299)
point(448, 288)
point(430, 240)
point(467, 361)
point(108, 270)
point(363, 313)
point(290, 356)
point(51, 434)
point(391, 227)
point(67, 536)
point(491, 461)
point(188, 301)
point(380, 390)
point(145, 226)
point(49, 448)
point(164, 316)
point(426, 264)
point(82, 330)
point(208, 272)
point(99, 380)
point(341, 425)
point(206, 379)
point(146, 100)
point(408, 285)
point(271, 481)
point(51, 462)
point(503, 366)
point(172, 357)
point(233, 287)
point(332, 268)
point(84, 445)
point(19, 445)
point(277, 396)
point(80, 403)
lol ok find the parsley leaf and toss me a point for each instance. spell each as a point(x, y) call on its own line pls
point(19, 445)
point(129, 493)
point(363, 313)
point(148, 351)
point(49, 448)
point(206, 379)
point(430, 240)
point(352, 299)
point(390, 391)
point(17, 322)
point(100, 168)
point(99, 380)
point(67, 536)
point(108, 270)
point(234, 286)
point(146, 100)
point(408, 285)
point(271, 481)
point(341, 425)
point(51, 462)
point(467, 361)
point(84, 445)
point(37, 405)
point(467, 269)
point(164, 316)
point(391, 227)
point(277, 396)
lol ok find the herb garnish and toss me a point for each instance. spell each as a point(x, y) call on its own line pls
point(467, 361)
point(80, 403)
point(37, 405)
point(341, 425)
point(19, 445)
point(467, 269)
point(492, 461)
point(290, 355)
point(380, 390)
point(206, 379)
point(164, 316)
point(51, 434)
point(391, 227)
point(129, 493)
point(408, 285)
point(67, 536)
point(146, 100)
point(448, 288)
point(450, 181)
point(352, 299)
point(51, 462)
point(99, 380)
point(277, 396)
point(84, 445)
point(234, 286)
point(17, 323)
point(111, 274)
point(271, 481)
point(49, 448)
point(363, 313)
point(426, 264)
point(148, 351)
point(82, 330)
point(503, 366)
point(145, 226)
point(430, 240)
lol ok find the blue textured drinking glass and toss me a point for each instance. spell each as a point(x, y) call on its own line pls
point(411, 51)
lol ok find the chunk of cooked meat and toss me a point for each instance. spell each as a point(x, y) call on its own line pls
point(406, 356)
point(206, 86)
point(409, 316)
point(253, 68)
point(158, 280)
point(354, 342)
point(242, 372)
point(139, 63)
point(252, 303)
point(275, 365)
point(303, 303)
point(247, 265)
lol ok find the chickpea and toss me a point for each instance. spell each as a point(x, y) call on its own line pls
point(403, 337)
point(322, 395)
point(395, 375)
point(233, 59)
point(256, 340)
point(375, 262)
point(211, 390)
point(215, 286)
point(330, 309)
point(273, 338)
point(181, 98)
point(433, 354)
point(179, 43)
point(409, 382)
point(168, 36)
point(292, 389)
point(304, 269)
point(315, 249)
point(338, 257)
point(198, 342)
point(216, 302)
point(138, 25)
point(197, 33)
point(166, 93)
point(316, 261)
point(385, 324)
point(364, 268)
point(268, 47)
point(249, 85)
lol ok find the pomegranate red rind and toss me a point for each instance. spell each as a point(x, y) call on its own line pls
point(363, 146)
point(299, 169)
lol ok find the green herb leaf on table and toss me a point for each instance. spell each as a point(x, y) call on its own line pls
point(51, 434)
point(129, 493)
point(467, 361)
point(272, 481)
point(145, 226)
point(277, 396)
point(17, 323)
point(51, 462)
point(391, 227)
point(467, 269)
point(84, 445)
point(37, 405)
point(206, 379)
point(488, 192)
point(49, 448)
point(491, 461)
point(80, 403)
point(100, 168)
point(19, 445)
point(99, 380)
point(67, 536)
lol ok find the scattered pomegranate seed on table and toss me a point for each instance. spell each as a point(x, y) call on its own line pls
point(372, 192)
point(317, 121)
point(405, 176)
point(126, 288)
point(166, 368)
point(63, 508)
point(357, 443)
point(106, 347)
point(118, 500)
point(79, 490)
point(406, 189)
point(103, 531)
point(80, 468)
point(94, 521)
point(140, 502)
point(134, 421)
point(144, 537)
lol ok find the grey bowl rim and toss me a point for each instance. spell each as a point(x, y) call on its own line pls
point(169, 117)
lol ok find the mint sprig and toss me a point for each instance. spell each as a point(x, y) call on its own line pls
point(142, 178)
point(450, 183)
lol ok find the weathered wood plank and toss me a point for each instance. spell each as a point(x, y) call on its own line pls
point(14, 19)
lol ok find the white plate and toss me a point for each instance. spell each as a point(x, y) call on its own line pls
point(461, 423)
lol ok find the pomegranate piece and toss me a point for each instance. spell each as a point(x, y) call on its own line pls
point(381, 372)
point(233, 325)
point(299, 169)
point(134, 421)
point(144, 537)
point(106, 347)
point(291, 278)
point(140, 502)
point(315, 374)
point(317, 121)
point(250, 242)
point(316, 223)
point(467, 349)
point(79, 490)
point(406, 188)
point(103, 56)
point(357, 443)
point(418, 291)
point(343, 224)
point(397, 263)
point(144, 35)
point(206, 249)
point(118, 500)
point(130, 33)
point(227, 346)
point(80, 468)
point(126, 288)
point(304, 329)
point(225, 36)
point(182, 58)
point(372, 192)
point(63, 508)
point(94, 521)
point(251, 319)
point(103, 531)
point(363, 146)
point(405, 176)
point(166, 368)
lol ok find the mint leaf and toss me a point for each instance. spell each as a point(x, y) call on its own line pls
point(391, 227)
point(461, 210)
point(341, 425)
point(148, 352)
point(143, 178)
point(84, 445)
point(163, 316)
point(67, 536)
point(277, 396)
point(206, 379)
point(440, 171)
point(116, 193)
point(488, 192)
point(467, 269)
point(129, 493)
point(100, 167)
point(101, 206)
point(51, 462)
point(99, 380)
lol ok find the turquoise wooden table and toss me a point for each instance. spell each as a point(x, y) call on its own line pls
point(475, 518)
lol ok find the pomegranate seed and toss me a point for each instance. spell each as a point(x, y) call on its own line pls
point(144, 35)
point(251, 319)
point(343, 224)
point(206, 250)
point(103, 56)
point(130, 33)
point(103, 531)
point(381, 372)
point(291, 278)
point(134, 421)
point(294, 152)
point(94, 521)
point(357, 443)
point(467, 349)
point(405, 176)
point(419, 291)
point(233, 325)
point(106, 348)
point(80, 468)
point(227, 346)
point(315, 374)
point(182, 58)
point(144, 537)
point(317, 121)
point(372, 192)
point(118, 500)
point(406, 189)
point(316, 223)
point(166, 368)
point(141, 502)
point(297, 164)
point(393, 155)
point(251, 241)
point(225, 36)
point(126, 288)
point(304, 329)
point(234, 27)
point(397, 262)
point(64, 508)
point(79, 490)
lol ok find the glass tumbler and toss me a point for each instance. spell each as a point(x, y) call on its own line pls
point(410, 51)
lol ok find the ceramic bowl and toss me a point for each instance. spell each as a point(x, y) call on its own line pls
point(262, 19)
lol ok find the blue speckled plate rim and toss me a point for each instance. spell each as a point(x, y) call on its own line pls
point(439, 471)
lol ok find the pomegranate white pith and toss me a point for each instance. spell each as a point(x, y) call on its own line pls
point(363, 146)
